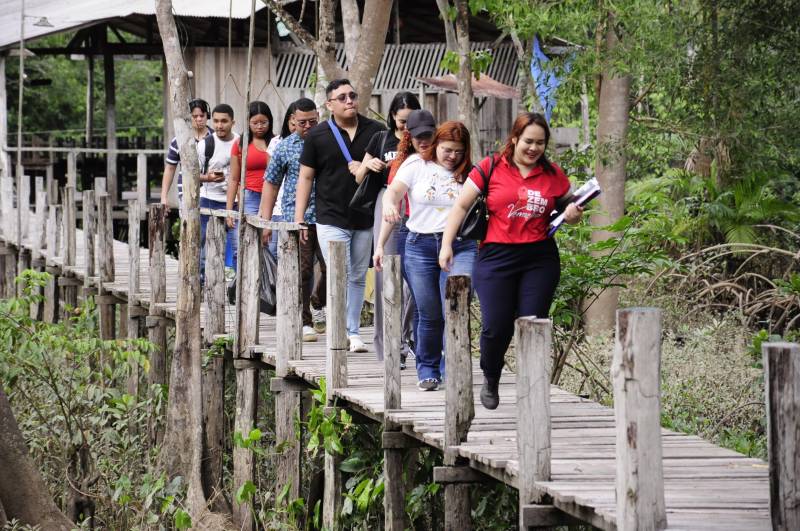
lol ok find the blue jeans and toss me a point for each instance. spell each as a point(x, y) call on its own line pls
point(252, 202)
point(273, 239)
point(359, 247)
point(231, 242)
point(410, 313)
point(427, 281)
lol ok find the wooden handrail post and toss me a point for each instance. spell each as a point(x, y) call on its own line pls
point(38, 242)
point(134, 252)
point(69, 292)
point(24, 203)
point(289, 333)
point(141, 183)
point(335, 369)
point(635, 371)
point(89, 220)
point(213, 381)
point(105, 254)
point(51, 305)
point(247, 312)
point(533, 347)
point(459, 400)
point(157, 329)
point(392, 293)
point(782, 383)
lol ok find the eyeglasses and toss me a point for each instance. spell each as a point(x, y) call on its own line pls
point(302, 123)
point(259, 124)
point(457, 152)
point(342, 98)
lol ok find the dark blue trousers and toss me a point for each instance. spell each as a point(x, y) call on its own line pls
point(512, 280)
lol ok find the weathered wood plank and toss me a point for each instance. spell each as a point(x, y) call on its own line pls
point(635, 372)
point(459, 399)
point(782, 382)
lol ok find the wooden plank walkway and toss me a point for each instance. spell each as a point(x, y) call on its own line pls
point(707, 487)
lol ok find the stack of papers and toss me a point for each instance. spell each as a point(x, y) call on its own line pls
point(582, 195)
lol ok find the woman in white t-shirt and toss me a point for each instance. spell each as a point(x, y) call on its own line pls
point(432, 179)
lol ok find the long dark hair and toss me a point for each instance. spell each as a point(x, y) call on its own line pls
point(286, 117)
point(520, 124)
point(401, 100)
point(258, 107)
point(452, 131)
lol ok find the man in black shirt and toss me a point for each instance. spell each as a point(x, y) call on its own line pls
point(332, 168)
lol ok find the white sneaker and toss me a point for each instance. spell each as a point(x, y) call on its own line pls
point(309, 334)
point(356, 345)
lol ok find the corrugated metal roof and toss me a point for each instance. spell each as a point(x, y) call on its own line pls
point(75, 14)
point(401, 66)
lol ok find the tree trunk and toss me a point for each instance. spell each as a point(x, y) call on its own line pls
point(449, 32)
point(466, 100)
point(525, 84)
point(351, 24)
point(23, 493)
point(612, 129)
point(375, 25)
point(183, 439)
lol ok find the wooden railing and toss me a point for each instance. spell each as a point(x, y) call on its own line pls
point(50, 232)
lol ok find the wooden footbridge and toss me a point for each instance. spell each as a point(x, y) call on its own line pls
point(572, 460)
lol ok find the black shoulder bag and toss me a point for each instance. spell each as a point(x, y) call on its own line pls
point(477, 219)
point(363, 200)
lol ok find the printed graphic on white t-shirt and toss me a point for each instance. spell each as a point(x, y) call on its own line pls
point(432, 192)
point(221, 160)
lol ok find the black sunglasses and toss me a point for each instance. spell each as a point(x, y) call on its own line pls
point(342, 98)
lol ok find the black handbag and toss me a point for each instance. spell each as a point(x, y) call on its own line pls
point(364, 199)
point(475, 223)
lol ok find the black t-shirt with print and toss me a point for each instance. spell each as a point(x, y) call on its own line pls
point(335, 185)
point(386, 150)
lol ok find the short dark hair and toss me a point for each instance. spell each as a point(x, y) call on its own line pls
point(201, 104)
point(223, 108)
point(401, 100)
point(305, 105)
point(336, 83)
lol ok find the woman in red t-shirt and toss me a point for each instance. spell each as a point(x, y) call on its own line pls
point(260, 124)
point(518, 266)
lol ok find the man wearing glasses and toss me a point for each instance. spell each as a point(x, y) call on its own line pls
point(328, 164)
point(283, 171)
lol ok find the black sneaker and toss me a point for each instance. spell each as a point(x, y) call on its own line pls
point(490, 397)
point(402, 362)
point(428, 384)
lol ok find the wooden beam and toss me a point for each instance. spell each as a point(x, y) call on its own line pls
point(397, 440)
point(459, 401)
point(782, 367)
point(635, 371)
point(545, 516)
point(533, 346)
point(111, 119)
point(457, 474)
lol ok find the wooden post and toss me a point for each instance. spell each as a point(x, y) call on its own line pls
point(289, 333)
point(105, 253)
point(335, 370)
point(9, 221)
point(111, 121)
point(69, 292)
point(50, 311)
point(392, 292)
point(782, 382)
point(141, 182)
point(156, 230)
point(134, 220)
point(533, 348)
point(24, 202)
point(246, 378)
point(213, 382)
point(38, 243)
point(89, 235)
point(459, 401)
point(635, 371)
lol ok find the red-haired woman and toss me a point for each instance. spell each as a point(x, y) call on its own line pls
point(518, 266)
point(433, 180)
